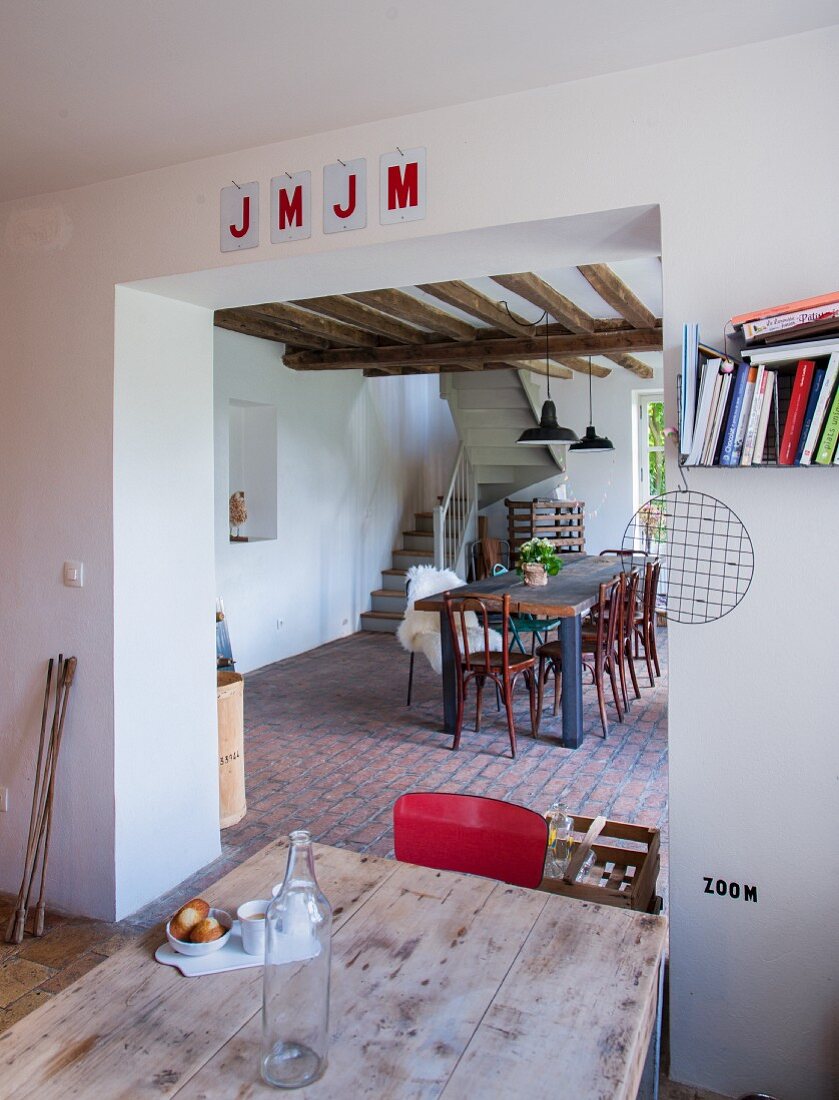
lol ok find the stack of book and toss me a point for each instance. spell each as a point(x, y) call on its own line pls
point(774, 403)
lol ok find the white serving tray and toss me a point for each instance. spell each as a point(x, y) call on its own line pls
point(230, 957)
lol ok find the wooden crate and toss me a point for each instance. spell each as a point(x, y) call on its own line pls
point(624, 875)
point(562, 522)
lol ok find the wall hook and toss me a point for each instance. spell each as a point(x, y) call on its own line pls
point(235, 184)
point(341, 162)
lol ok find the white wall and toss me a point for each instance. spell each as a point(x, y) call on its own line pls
point(352, 460)
point(752, 745)
point(165, 734)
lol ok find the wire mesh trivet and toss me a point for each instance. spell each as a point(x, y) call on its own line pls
point(707, 560)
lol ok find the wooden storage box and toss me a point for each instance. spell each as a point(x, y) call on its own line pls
point(623, 874)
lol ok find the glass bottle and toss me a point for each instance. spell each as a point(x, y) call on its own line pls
point(298, 947)
point(560, 838)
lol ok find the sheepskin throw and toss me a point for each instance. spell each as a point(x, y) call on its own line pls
point(419, 631)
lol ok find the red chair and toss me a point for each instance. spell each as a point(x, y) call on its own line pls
point(471, 834)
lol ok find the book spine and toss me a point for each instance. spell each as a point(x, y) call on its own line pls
point(795, 412)
point(765, 412)
point(754, 417)
point(809, 413)
point(743, 422)
point(830, 435)
point(752, 330)
point(735, 408)
point(820, 413)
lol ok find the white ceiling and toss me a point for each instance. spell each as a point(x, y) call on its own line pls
point(96, 89)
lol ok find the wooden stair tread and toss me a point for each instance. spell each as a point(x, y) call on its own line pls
point(395, 572)
point(414, 553)
point(424, 534)
point(396, 615)
point(390, 593)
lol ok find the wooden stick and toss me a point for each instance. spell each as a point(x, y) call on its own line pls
point(33, 858)
point(19, 913)
point(69, 672)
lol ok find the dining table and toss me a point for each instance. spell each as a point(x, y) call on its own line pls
point(442, 985)
point(568, 596)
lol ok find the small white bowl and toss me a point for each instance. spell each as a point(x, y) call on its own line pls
point(184, 947)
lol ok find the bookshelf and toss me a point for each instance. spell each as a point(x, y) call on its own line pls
point(763, 406)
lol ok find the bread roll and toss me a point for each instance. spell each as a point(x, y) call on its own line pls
point(187, 917)
point(206, 930)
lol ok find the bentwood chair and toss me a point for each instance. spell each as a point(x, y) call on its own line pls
point(471, 834)
point(600, 654)
point(644, 626)
point(469, 622)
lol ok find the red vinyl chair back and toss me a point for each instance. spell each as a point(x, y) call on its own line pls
point(471, 834)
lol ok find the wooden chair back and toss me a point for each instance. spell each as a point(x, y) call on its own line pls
point(470, 659)
point(471, 834)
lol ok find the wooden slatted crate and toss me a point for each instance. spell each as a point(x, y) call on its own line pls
point(624, 874)
point(562, 522)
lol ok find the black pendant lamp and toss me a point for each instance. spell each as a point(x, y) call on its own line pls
point(550, 430)
point(591, 441)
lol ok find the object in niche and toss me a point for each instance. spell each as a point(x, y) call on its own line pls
point(238, 513)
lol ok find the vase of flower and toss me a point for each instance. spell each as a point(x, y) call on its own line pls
point(537, 561)
point(534, 574)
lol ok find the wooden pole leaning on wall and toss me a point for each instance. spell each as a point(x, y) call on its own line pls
point(40, 820)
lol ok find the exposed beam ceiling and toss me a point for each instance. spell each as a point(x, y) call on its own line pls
point(398, 331)
point(602, 343)
point(543, 295)
point(614, 291)
point(407, 308)
point(461, 296)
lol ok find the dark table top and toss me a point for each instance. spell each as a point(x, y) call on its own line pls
point(573, 591)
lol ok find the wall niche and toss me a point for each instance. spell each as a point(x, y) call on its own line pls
point(252, 468)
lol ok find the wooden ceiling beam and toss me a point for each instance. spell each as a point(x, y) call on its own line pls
point(258, 324)
point(461, 296)
point(315, 324)
point(615, 291)
point(539, 366)
point(559, 347)
point(630, 363)
point(407, 308)
point(576, 363)
point(542, 294)
point(343, 308)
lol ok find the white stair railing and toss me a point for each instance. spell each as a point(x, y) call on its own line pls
point(453, 516)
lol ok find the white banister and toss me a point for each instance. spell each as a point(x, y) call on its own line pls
point(453, 515)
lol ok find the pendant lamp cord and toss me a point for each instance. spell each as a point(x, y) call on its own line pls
point(532, 324)
point(590, 410)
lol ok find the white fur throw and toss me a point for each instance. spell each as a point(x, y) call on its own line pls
point(419, 631)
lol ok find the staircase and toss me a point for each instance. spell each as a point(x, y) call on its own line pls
point(490, 410)
point(388, 602)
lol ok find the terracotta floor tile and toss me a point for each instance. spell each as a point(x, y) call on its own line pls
point(76, 969)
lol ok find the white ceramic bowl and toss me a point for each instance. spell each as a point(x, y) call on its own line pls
point(183, 947)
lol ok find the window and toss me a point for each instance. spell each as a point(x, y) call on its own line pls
point(649, 446)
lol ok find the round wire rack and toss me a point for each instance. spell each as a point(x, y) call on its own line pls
point(706, 554)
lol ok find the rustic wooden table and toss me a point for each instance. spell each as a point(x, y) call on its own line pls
point(442, 984)
point(567, 596)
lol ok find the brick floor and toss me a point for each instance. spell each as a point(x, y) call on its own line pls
point(330, 745)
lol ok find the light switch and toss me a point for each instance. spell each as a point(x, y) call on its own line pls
point(73, 574)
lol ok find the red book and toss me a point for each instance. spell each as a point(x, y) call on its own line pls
point(795, 412)
point(787, 307)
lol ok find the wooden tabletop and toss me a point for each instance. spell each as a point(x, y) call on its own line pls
point(572, 591)
point(442, 984)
